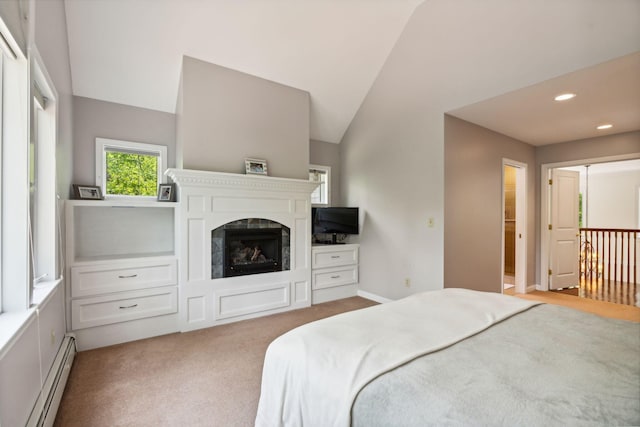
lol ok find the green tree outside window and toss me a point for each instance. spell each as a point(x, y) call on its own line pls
point(132, 174)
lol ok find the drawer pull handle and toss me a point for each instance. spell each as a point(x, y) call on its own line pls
point(335, 277)
point(127, 277)
point(335, 256)
point(129, 306)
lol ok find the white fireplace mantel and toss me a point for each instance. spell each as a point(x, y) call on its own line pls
point(196, 178)
point(207, 200)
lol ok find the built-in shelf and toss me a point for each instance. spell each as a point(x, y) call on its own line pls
point(108, 230)
point(122, 270)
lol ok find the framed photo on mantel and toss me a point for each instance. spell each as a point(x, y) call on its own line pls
point(255, 166)
point(167, 192)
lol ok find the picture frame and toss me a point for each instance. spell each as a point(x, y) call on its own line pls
point(167, 192)
point(87, 192)
point(255, 167)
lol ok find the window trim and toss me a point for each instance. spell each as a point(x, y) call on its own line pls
point(327, 170)
point(15, 128)
point(44, 264)
point(104, 144)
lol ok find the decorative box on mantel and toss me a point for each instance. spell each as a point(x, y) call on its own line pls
point(244, 245)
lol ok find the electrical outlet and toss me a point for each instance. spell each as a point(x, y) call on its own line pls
point(431, 222)
point(53, 337)
point(407, 282)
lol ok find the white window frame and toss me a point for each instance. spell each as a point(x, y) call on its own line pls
point(327, 171)
point(103, 145)
point(43, 128)
point(15, 191)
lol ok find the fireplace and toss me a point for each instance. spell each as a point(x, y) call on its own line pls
point(252, 251)
point(249, 246)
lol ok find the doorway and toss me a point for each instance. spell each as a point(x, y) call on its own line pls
point(547, 260)
point(514, 227)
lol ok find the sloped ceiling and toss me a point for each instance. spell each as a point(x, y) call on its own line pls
point(130, 52)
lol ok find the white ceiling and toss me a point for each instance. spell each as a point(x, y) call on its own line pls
point(130, 52)
point(605, 93)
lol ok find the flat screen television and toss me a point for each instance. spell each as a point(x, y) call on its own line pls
point(334, 220)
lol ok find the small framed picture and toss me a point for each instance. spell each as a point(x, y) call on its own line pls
point(87, 192)
point(166, 193)
point(255, 166)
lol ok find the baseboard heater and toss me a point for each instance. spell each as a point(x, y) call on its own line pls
point(44, 412)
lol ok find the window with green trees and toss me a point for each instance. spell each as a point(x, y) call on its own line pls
point(125, 168)
point(132, 174)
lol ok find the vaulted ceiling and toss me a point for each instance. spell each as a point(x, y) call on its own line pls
point(130, 52)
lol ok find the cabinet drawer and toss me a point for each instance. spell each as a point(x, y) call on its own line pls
point(123, 306)
point(334, 257)
point(336, 276)
point(99, 279)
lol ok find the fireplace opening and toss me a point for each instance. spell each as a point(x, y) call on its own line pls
point(249, 246)
point(252, 251)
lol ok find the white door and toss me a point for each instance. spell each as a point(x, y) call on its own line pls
point(564, 230)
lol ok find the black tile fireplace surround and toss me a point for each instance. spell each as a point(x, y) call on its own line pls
point(249, 246)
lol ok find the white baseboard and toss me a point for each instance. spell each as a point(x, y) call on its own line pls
point(373, 297)
point(532, 288)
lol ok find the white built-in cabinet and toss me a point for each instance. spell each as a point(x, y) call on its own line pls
point(122, 267)
point(334, 272)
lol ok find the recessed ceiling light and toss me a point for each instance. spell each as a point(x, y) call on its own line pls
point(605, 126)
point(564, 96)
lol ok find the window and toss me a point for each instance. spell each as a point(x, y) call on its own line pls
point(14, 192)
point(125, 168)
point(322, 194)
point(42, 218)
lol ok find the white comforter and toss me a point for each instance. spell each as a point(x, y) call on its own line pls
point(313, 373)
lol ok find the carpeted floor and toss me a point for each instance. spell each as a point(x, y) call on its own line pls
point(209, 377)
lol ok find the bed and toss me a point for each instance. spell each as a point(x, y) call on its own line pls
point(454, 357)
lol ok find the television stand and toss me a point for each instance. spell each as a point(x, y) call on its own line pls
point(334, 272)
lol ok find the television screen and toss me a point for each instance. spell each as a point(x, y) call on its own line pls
point(335, 220)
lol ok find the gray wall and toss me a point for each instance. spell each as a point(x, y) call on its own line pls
point(452, 54)
point(93, 118)
point(473, 205)
point(227, 116)
point(51, 41)
point(591, 148)
point(328, 154)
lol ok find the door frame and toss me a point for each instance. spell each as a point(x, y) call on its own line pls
point(545, 207)
point(521, 225)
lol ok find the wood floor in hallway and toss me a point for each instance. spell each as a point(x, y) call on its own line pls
point(598, 290)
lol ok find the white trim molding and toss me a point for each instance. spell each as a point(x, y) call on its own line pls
point(373, 297)
point(195, 178)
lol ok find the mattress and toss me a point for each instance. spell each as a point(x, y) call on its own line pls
point(454, 357)
point(547, 366)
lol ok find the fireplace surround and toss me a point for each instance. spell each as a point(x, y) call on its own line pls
point(210, 201)
point(249, 246)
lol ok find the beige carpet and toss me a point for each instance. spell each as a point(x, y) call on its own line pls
point(209, 377)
